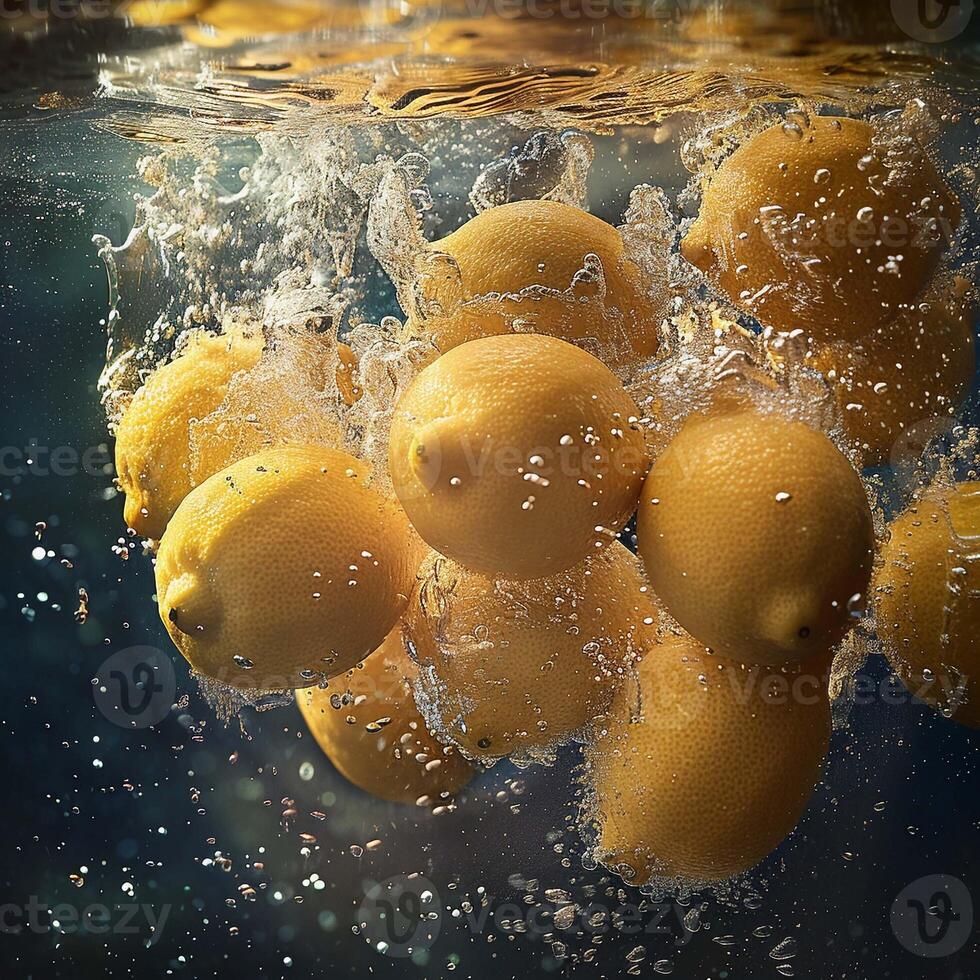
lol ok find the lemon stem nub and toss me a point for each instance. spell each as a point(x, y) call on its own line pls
point(181, 622)
point(190, 606)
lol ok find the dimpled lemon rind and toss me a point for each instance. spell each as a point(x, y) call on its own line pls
point(376, 737)
point(818, 227)
point(927, 593)
point(508, 667)
point(528, 244)
point(283, 569)
point(517, 456)
point(705, 765)
point(153, 457)
point(757, 536)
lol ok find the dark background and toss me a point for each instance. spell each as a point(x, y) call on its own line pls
point(146, 813)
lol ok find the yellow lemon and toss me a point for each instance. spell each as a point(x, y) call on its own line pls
point(823, 227)
point(704, 764)
point(283, 569)
point(220, 400)
point(372, 732)
point(928, 600)
point(153, 455)
point(509, 667)
point(756, 535)
point(517, 455)
point(284, 399)
point(550, 268)
point(914, 369)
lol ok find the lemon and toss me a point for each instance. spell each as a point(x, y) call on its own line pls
point(517, 455)
point(220, 400)
point(927, 594)
point(375, 735)
point(704, 764)
point(283, 569)
point(822, 227)
point(152, 440)
point(552, 269)
point(913, 369)
point(756, 535)
point(509, 667)
point(283, 399)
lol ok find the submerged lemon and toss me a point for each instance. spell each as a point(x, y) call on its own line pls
point(375, 735)
point(550, 268)
point(928, 600)
point(517, 455)
point(756, 535)
point(509, 667)
point(220, 400)
point(823, 227)
point(153, 457)
point(283, 569)
point(912, 370)
point(705, 765)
